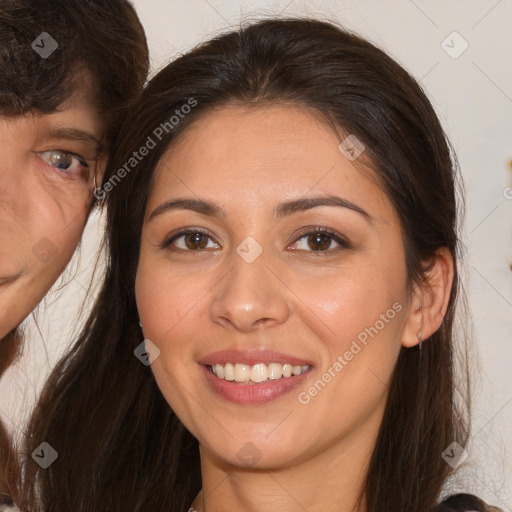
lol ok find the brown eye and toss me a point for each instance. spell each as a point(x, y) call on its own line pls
point(190, 240)
point(195, 241)
point(319, 241)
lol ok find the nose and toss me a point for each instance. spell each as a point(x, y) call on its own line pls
point(250, 297)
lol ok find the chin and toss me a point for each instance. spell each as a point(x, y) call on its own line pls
point(259, 454)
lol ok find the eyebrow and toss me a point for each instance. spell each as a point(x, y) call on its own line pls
point(282, 210)
point(74, 134)
point(196, 205)
point(307, 203)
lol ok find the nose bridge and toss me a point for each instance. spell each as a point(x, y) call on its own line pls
point(249, 295)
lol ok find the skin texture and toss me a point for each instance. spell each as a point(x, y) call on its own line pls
point(43, 209)
point(304, 303)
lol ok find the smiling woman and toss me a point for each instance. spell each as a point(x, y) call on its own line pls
point(294, 233)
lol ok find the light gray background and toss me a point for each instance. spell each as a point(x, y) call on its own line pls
point(473, 97)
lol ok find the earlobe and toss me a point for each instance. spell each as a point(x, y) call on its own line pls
point(413, 332)
point(430, 299)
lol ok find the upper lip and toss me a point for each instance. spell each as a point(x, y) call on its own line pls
point(252, 357)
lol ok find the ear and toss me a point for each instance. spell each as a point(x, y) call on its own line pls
point(429, 300)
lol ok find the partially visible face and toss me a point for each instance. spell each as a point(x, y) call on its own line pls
point(266, 252)
point(46, 189)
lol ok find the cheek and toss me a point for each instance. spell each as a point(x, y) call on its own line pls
point(51, 250)
point(349, 303)
point(170, 310)
point(55, 238)
point(43, 254)
point(169, 305)
point(359, 324)
point(358, 313)
point(56, 222)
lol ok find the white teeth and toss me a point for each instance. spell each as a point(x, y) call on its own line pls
point(275, 371)
point(229, 372)
point(242, 372)
point(256, 373)
point(259, 373)
point(219, 371)
point(287, 370)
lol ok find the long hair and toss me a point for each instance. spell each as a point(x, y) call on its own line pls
point(120, 446)
point(10, 347)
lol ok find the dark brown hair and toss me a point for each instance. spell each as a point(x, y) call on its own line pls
point(121, 447)
point(102, 37)
point(10, 346)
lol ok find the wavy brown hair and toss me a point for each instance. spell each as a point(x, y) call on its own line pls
point(121, 447)
point(103, 37)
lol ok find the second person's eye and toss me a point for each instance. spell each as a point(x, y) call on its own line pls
point(67, 163)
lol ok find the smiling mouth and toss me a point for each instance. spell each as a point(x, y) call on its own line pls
point(257, 373)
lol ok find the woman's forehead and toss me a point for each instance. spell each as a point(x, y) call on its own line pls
point(265, 155)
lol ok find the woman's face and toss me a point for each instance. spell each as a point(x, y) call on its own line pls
point(265, 252)
point(46, 185)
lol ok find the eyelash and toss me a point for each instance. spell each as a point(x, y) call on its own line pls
point(187, 231)
point(335, 237)
point(309, 231)
point(65, 172)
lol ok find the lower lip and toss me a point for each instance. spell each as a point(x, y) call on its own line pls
point(239, 393)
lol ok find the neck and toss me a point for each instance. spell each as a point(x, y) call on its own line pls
point(332, 480)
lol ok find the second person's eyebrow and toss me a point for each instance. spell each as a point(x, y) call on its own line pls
point(282, 210)
point(77, 135)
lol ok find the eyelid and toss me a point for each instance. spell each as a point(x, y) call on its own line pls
point(170, 238)
point(334, 235)
point(307, 230)
point(91, 156)
point(80, 159)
